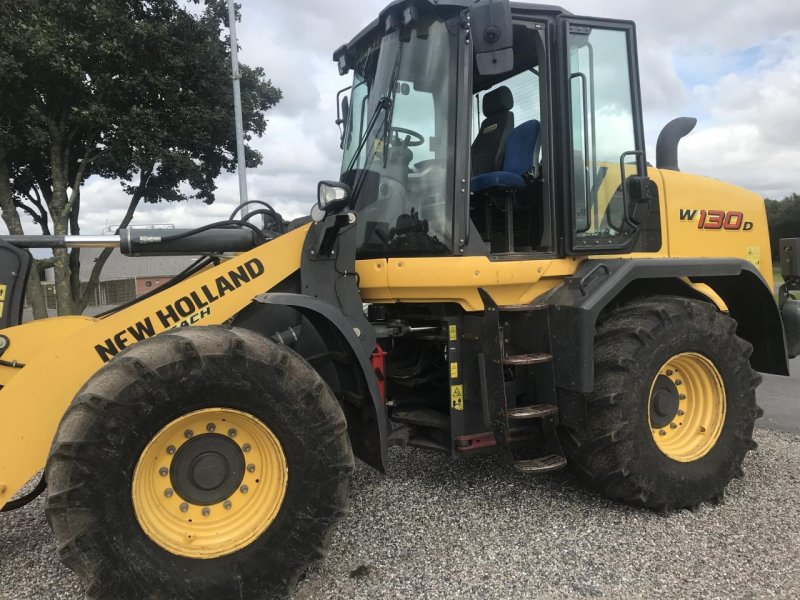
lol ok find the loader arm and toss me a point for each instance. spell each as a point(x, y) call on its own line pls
point(47, 376)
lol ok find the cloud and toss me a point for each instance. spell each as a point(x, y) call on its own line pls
point(751, 139)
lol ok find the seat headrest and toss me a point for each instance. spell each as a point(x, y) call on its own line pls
point(497, 101)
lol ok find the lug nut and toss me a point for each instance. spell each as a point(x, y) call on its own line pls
point(246, 448)
point(227, 505)
point(681, 413)
point(163, 471)
point(231, 433)
point(184, 507)
point(673, 426)
point(678, 382)
point(669, 372)
point(206, 511)
point(188, 433)
point(168, 492)
point(681, 396)
point(211, 427)
point(251, 468)
point(662, 432)
point(244, 489)
point(170, 449)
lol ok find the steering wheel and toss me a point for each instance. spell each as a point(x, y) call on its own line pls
point(418, 138)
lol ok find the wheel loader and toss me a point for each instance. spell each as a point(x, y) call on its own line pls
point(498, 269)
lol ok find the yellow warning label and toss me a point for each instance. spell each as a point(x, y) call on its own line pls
point(453, 370)
point(2, 292)
point(754, 254)
point(457, 397)
point(453, 333)
point(377, 149)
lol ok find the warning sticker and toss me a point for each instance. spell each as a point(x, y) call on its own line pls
point(453, 333)
point(754, 254)
point(457, 397)
point(453, 370)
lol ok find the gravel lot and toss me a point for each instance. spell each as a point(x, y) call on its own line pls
point(437, 528)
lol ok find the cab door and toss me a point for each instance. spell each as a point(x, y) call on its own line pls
point(608, 197)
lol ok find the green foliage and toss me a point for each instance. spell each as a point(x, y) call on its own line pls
point(783, 217)
point(128, 85)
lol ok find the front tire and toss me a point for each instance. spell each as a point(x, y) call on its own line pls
point(671, 417)
point(204, 462)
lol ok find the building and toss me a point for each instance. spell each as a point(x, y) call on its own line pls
point(122, 279)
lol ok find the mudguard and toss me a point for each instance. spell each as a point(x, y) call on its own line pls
point(369, 440)
point(577, 303)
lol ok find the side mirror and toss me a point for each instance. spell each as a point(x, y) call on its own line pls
point(492, 36)
point(341, 119)
point(642, 193)
point(790, 258)
point(333, 195)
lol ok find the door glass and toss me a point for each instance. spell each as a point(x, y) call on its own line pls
point(525, 91)
point(603, 129)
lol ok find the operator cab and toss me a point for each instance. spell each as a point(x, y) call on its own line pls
point(528, 147)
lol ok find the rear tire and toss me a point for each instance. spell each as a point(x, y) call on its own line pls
point(121, 533)
point(671, 416)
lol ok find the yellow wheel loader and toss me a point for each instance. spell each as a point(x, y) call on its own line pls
point(498, 269)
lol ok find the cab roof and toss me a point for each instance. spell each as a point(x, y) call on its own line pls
point(517, 9)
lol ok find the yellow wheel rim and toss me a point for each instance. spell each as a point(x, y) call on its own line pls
point(686, 407)
point(209, 483)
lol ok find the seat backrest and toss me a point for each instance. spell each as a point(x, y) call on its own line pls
point(488, 149)
point(521, 148)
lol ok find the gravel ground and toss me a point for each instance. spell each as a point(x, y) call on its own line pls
point(437, 528)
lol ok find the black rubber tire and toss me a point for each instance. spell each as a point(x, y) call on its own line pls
point(614, 451)
point(104, 431)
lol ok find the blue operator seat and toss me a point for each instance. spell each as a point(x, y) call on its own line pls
point(519, 157)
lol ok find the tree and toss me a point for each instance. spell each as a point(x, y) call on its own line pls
point(783, 217)
point(131, 89)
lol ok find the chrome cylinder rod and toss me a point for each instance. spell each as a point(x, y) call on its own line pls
point(62, 241)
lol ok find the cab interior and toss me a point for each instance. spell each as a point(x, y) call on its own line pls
point(507, 191)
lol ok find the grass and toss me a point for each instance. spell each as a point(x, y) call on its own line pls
point(776, 273)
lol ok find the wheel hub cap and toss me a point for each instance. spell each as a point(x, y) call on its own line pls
point(207, 469)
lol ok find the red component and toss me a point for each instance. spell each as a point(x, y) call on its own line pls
point(378, 360)
point(476, 441)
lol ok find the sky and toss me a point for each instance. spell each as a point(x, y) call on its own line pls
point(734, 65)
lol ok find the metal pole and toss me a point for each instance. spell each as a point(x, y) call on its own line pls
point(237, 108)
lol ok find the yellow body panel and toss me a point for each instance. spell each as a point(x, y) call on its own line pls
point(36, 396)
point(690, 234)
point(456, 279)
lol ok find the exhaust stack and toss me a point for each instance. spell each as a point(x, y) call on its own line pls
point(668, 139)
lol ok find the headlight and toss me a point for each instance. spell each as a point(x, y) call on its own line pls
point(332, 195)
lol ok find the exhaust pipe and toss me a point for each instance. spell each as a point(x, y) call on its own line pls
point(668, 139)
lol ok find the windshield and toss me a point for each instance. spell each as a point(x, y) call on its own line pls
point(398, 141)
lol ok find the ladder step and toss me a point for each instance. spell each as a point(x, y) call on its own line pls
point(543, 464)
point(533, 411)
point(527, 359)
point(522, 307)
point(422, 417)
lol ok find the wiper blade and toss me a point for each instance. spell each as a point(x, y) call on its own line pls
point(384, 104)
